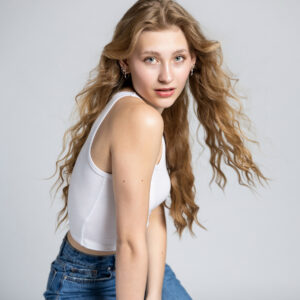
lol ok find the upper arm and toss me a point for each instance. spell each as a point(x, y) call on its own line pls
point(135, 145)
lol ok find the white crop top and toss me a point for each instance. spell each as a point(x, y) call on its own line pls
point(91, 207)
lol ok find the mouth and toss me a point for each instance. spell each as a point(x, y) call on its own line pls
point(165, 89)
point(165, 92)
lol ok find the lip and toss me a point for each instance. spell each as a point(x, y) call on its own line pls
point(165, 89)
point(165, 92)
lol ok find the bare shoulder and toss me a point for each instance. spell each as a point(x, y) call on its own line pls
point(133, 115)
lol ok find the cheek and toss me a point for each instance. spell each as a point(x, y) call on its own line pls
point(142, 74)
point(183, 74)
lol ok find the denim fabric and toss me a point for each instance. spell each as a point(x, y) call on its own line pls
point(76, 275)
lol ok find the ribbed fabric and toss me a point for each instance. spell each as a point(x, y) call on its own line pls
point(91, 207)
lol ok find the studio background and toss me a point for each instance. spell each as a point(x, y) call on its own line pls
point(251, 249)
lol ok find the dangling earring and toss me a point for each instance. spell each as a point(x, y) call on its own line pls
point(124, 73)
point(192, 70)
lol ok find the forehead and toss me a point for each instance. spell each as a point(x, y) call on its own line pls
point(167, 40)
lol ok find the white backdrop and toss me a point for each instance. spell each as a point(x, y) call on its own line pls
point(251, 250)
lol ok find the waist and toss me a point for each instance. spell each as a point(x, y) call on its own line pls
point(85, 250)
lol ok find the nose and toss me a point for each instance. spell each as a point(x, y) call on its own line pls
point(165, 73)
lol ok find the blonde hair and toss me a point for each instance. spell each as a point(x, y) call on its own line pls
point(211, 88)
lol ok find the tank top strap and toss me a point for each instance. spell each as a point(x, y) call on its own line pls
point(105, 111)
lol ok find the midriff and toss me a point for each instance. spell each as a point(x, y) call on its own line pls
point(80, 248)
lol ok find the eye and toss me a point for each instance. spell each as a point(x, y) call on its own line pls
point(147, 58)
point(151, 58)
point(183, 57)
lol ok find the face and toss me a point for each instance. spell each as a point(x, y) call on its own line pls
point(161, 60)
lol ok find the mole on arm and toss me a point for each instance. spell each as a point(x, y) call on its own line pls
point(142, 180)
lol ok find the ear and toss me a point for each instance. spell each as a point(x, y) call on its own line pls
point(193, 60)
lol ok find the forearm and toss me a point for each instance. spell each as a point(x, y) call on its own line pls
point(157, 245)
point(131, 271)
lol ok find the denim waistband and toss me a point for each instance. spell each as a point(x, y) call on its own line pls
point(73, 255)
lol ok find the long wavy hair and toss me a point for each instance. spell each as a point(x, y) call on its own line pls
point(212, 89)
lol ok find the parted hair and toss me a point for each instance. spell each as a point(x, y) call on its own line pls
point(213, 95)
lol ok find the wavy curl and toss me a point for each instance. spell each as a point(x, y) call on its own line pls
point(211, 88)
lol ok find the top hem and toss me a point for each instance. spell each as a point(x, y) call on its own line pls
point(94, 245)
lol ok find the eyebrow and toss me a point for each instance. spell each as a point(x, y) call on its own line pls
point(156, 53)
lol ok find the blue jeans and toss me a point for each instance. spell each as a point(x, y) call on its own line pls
point(76, 275)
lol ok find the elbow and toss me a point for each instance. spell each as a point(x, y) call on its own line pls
point(133, 245)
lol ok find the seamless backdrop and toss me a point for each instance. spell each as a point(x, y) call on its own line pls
point(251, 250)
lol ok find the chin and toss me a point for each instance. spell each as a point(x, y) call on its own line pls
point(165, 103)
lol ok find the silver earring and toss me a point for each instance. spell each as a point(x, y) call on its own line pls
point(124, 73)
point(192, 70)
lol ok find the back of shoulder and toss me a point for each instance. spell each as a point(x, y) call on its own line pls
point(134, 119)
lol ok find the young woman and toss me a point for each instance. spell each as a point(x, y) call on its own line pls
point(129, 152)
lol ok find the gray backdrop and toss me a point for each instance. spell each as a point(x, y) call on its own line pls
point(251, 250)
